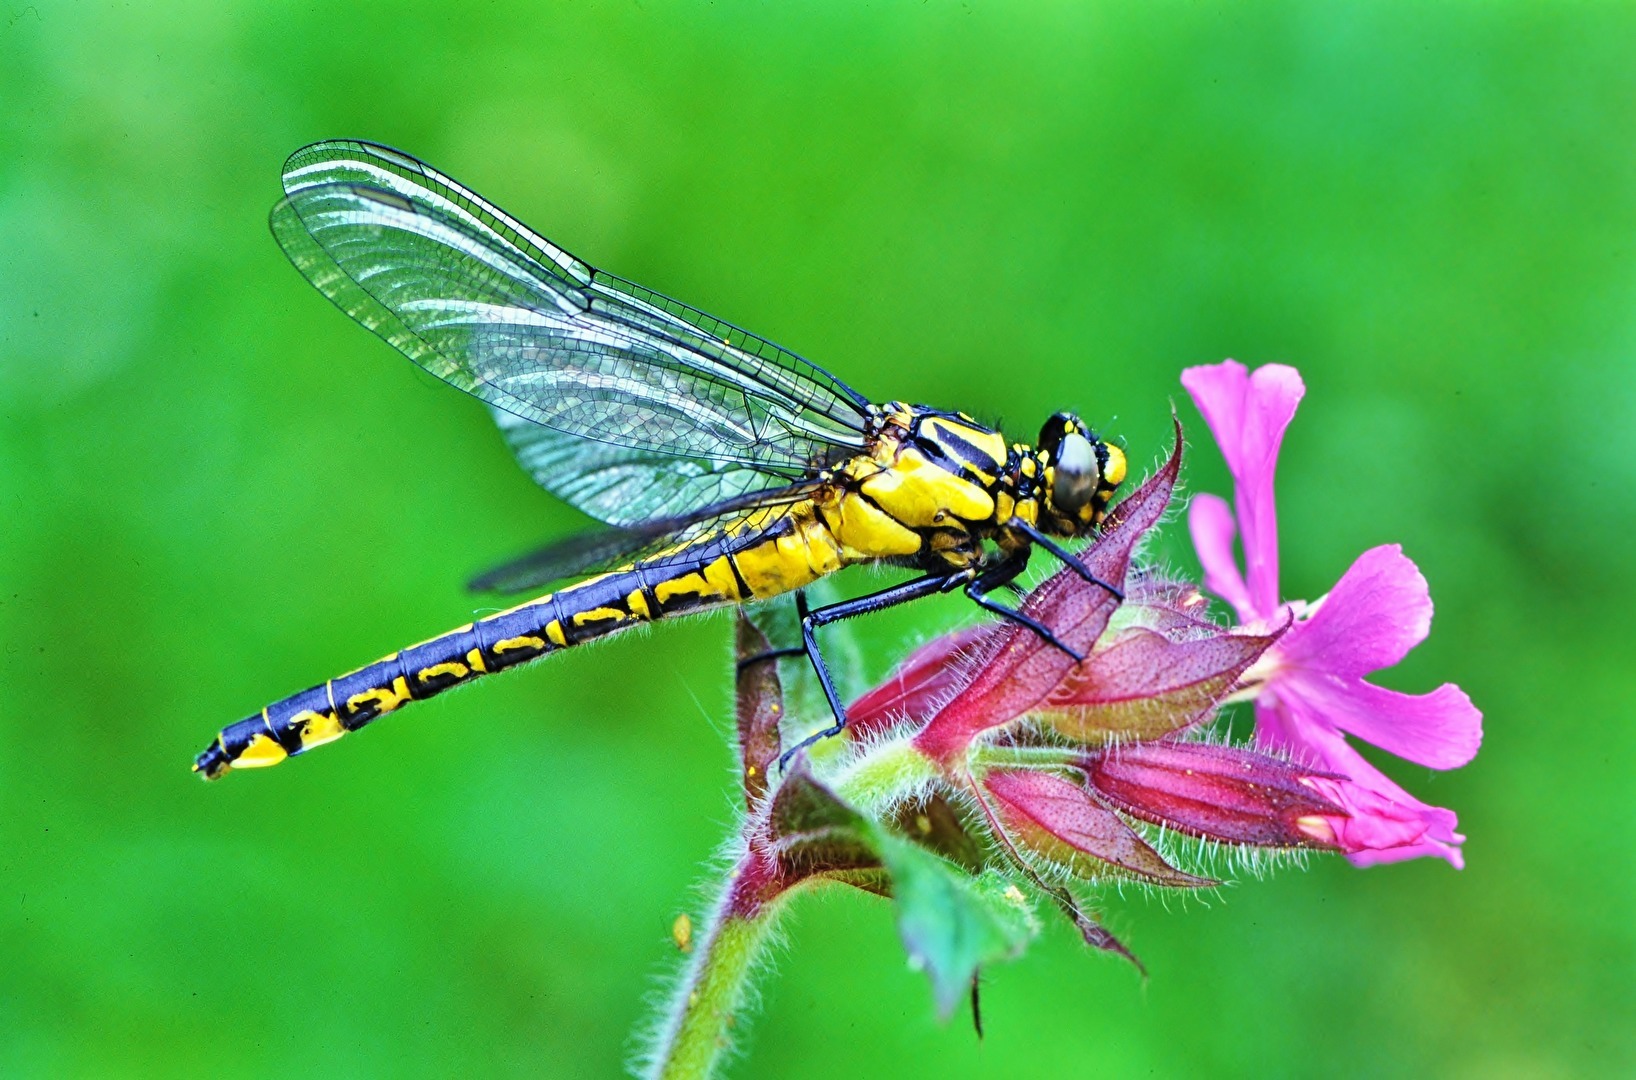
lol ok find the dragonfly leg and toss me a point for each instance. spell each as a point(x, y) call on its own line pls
point(930, 585)
point(1001, 575)
point(772, 654)
point(779, 654)
point(1062, 554)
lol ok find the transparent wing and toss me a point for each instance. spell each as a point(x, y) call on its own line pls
point(623, 485)
point(573, 557)
point(657, 544)
point(696, 408)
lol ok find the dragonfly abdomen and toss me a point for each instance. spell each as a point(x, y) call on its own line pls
point(774, 562)
point(788, 554)
point(325, 712)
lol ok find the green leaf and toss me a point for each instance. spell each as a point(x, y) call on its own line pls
point(951, 919)
point(952, 923)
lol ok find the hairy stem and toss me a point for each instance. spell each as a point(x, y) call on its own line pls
point(705, 1006)
point(881, 775)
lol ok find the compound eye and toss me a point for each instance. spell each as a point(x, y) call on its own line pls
point(1054, 431)
point(1076, 475)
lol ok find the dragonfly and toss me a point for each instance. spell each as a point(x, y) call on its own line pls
point(726, 469)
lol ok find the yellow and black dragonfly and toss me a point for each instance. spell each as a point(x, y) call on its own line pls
point(728, 469)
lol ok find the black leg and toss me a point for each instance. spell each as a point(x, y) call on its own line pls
point(847, 609)
point(1063, 554)
point(771, 654)
point(1000, 575)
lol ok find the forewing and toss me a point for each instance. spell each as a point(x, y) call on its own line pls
point(693, 407)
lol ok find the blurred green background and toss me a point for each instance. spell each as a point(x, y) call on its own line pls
point(215, 490)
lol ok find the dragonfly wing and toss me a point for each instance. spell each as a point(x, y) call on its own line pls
point(622, 485)
point(572, 557)
point(658, 544)
point(693, 406)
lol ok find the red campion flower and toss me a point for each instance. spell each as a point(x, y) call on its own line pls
point(1309, 687)
point(993, 765)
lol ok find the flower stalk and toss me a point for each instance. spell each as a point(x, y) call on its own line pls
point(709, 999)
point(793, 833)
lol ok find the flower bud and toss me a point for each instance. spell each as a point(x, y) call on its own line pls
point(1225, 793)
point(1058, 821)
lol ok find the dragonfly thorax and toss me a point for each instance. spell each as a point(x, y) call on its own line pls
point(955, 482)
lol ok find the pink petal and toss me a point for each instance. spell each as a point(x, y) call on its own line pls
point(1277, 729)
point(1211, 523)
point(1219, 391)
point(1440, 730)
point(1384, 822)
point(1378, 611)
point(1248, 414)
point(1387, 825)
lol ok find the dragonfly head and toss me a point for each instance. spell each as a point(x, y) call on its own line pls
point(1081, 475)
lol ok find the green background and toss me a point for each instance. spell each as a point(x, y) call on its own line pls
point(214, 490)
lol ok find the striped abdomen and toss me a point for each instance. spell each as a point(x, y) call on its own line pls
point(791, 553)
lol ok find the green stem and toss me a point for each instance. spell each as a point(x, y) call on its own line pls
point(704, 1007)
point(885, 773)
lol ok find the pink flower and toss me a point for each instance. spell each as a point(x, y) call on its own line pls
point(1310, 688)
point(1105, 746)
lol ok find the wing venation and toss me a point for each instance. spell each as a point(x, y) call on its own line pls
point(622, 401)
